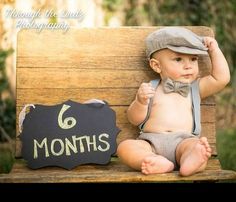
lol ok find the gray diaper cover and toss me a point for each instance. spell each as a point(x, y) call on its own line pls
point(165, 144)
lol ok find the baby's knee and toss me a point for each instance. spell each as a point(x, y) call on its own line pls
point(123, 146)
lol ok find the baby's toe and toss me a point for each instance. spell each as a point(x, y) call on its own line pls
point(203, 140)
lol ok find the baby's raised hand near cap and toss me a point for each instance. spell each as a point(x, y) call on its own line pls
point(145, 92)
point(210, 43)
point(220, 74)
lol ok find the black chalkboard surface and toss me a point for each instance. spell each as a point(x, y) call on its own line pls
point(69, 134)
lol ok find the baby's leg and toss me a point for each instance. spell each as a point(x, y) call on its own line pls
point(192, 155)
point(154, 164)
point(138, 154)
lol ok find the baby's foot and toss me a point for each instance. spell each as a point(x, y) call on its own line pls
point(204, 142)
point(156, 164)
point(196, 160)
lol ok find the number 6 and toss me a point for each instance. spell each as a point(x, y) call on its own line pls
point(65, 124)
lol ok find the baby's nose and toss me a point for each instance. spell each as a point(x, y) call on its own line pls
point(187, 65)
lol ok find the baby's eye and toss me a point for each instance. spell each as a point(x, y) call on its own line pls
point(194, 59)
point(178, 59)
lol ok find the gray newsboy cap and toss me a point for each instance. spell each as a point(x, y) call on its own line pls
point(177, 39)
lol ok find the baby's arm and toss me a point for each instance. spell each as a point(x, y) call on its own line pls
point(137, 111)
point(220, 74)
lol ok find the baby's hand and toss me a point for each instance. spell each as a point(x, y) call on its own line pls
point(210, 43)
point(145, 92)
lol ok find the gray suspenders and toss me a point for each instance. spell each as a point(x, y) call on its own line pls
point(196, 101)
point(154, 83)
point(195, 106)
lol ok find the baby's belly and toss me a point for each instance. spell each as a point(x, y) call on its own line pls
point(169, 120)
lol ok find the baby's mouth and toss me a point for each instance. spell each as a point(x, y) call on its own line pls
point(187, 76)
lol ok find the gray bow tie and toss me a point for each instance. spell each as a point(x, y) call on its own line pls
point(176, 86)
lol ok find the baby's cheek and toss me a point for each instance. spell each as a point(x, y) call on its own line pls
point(196, 72)
point(176, 74)
point(173, 73)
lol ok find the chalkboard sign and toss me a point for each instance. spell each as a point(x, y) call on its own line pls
point(69, 134)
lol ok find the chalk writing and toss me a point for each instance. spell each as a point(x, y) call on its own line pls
point(68, 122)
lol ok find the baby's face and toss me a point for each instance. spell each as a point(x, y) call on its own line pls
point(177, 66)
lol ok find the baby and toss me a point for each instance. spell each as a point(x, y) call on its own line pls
point(168, 109)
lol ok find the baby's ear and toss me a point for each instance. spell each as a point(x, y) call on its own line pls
point(155, 65)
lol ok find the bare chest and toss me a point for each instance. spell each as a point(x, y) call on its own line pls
point(171, 100)
point(170, 112)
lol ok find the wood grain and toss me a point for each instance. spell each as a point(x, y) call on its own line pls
point(115, 171)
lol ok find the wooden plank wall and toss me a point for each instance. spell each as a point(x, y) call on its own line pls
point(102, 63)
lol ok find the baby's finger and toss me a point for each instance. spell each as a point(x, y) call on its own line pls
point(144, 85)
point(151, 86)
point(147, 88)
point(146, 92)
point(146, 95)
point(149, 91)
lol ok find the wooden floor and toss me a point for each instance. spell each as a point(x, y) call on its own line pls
point(113, 172)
